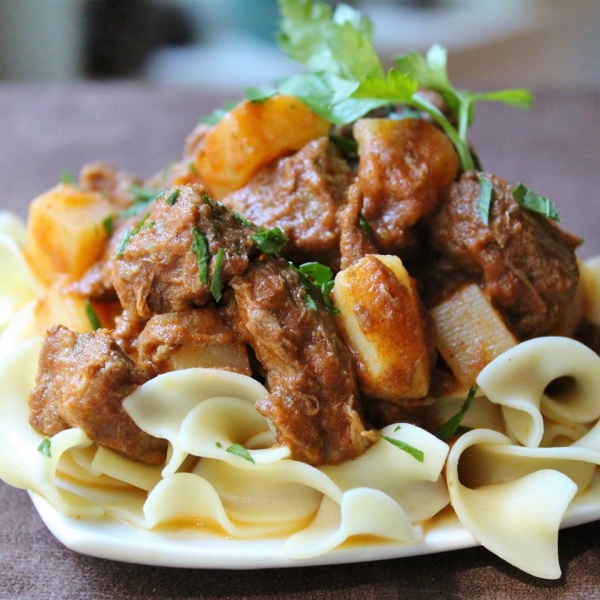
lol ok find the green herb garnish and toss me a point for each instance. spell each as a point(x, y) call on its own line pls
point(200, 249)
point(318, 277)
point(486, 195)
point(44, 447)
point(129, 234)
point(534, 202)
point(219, 113)
point(344, 78)
point(260, 94)
point(66, 177)
point(108, 224)
point(347, 146)
point(172, 197)
point(452, 426)
point(92, 315)
point(366, 228)
point(241, 219)
point(239, 450)
point(216, 283)
point(270, 241)
point(414, 452)
point(143, 194)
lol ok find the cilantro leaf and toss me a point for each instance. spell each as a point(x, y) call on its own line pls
point(534, 202)
point(129, 234)
point(92, 315)
point(108, 224)
point(214, 117)
point(215, 282)
point(172, 197)
point(270, 241)
point(318, 277)
point(200, 249)
point(239, 450)
point(260, 94)
point(414, 452)
point(66, 178)
point(486, 195)
point(452, 426)
point(44, 447)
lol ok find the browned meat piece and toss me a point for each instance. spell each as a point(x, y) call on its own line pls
point(192, 338)
point(313, 401)
point(127, 330)
point(81, 382)
point(525, 263)
point(355, 242)
point(405, 168)
point(302, 195)
point(157, 270)
point(105, 178)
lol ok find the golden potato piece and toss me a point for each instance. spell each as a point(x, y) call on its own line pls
point(58, 306)
point(252, 135)
point(383, 323)
point(65, 232)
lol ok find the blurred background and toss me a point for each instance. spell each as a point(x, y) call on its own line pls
point(227, 45)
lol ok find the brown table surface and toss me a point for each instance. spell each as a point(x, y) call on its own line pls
point(555, 150)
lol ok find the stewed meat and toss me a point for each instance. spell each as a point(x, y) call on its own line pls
point(81, 382)
point(405, 169)
point(302, 195)
point(525, 263)
point(314, 398)
point(158, 269)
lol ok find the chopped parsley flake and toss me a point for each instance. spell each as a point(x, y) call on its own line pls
point(534, 202)
point(452, 426)
point(486, 197)
point(172, 197)
point(316, 276)
point(108, 224)
point(239, 450)
point(129, 234)
point(270, 241)
point(414, 452)
point(200, 249)
point(366, 228)
point(215, 283)
point(92, 315)
point(44, 447)
point(66, 177)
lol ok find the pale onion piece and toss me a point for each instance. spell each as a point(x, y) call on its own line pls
point(107, 462)
point(469, 332)
point(257, 496)
point(21, 328)
point(12, 226)
point(160, 406)
point(517, 520)
point(416, 486)
point(382, 321)
point(252, 135)
point(21, 464)
point(19, 284)
point(362, 511)
point(517, 380)
point(590, 276)
point(220, 422)
point(184, 497)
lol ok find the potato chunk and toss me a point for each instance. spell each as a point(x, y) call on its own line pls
point(252, 135)
point(65, 232)
point(383, 323)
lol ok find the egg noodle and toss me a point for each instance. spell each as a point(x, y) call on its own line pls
point(525, 458)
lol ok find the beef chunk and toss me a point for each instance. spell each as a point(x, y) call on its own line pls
point(302, 195)
point(157, 271)
point(192, 338)
point(405, 169)
point(313, 401)
point(525, 263)
point(81, 382)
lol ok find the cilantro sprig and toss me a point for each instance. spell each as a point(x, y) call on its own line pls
point(344, 78)
point(318, 277)
point(534, 202)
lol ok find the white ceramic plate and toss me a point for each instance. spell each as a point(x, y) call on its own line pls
point(196, 548)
